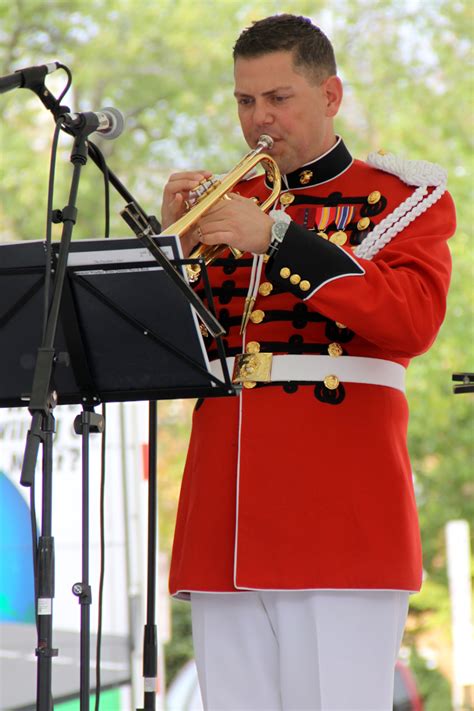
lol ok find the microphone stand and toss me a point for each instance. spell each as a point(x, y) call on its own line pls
point(42, 402)
point(45, 567)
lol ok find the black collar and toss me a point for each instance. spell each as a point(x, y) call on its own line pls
point(326, 167)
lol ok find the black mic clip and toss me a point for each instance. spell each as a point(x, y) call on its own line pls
point(82, 124)
point(107, 122)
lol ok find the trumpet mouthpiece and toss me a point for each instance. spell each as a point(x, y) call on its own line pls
point(265, 141)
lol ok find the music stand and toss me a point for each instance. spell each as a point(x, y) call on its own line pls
point(125, 332)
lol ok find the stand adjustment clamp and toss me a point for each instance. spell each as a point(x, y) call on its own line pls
point(46, 652)
point(83, 592)
point(69, 213)
point(94, 422)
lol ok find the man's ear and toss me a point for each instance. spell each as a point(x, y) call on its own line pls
point(333, 92)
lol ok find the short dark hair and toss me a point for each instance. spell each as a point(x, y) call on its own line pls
point(311, 48)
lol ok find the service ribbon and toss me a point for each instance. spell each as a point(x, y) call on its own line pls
point(324, 216)
point(344, 215)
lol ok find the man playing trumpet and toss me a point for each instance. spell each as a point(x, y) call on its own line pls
point(297, 538)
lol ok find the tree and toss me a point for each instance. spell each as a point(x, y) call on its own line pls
point(167, 66)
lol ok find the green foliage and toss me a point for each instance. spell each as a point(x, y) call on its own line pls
point(174, 419)
point(167, 65)
point(433, 687)
point(179, 649)
point(429, 610)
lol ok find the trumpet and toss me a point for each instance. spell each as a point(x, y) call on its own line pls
point(211, 190)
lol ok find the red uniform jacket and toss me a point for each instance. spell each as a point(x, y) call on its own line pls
point(293, 485)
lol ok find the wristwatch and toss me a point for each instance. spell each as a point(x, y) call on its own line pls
point(279, 230)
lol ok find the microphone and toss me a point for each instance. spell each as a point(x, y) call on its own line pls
point(107, 122)
point(27, 78)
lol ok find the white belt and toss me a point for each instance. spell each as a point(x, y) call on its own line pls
point(313, 368)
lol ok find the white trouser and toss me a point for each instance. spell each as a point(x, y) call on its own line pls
point(278, 650)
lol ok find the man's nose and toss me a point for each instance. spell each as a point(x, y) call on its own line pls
point(262, 115)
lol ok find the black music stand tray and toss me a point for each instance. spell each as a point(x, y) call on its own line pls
point(125, 332)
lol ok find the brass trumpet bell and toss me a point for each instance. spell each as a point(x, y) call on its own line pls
point(210, 191)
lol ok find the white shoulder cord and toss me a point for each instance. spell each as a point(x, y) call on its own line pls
point(412, 172)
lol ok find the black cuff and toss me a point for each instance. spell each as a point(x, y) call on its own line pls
point(305, 262)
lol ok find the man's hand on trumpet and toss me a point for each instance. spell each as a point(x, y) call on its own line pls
point(234, 220)
point(238, 222)
point(175, 194)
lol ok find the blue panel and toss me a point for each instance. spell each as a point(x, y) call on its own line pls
point(16, 561)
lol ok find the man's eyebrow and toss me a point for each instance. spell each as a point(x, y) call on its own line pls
point(265, 93)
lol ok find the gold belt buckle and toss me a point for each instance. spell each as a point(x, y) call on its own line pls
point(252, 368)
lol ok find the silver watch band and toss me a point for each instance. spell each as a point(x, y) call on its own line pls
point(279, 230)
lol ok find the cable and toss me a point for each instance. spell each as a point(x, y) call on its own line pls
point(34, 548)
point(49, 215)
point(102, 561)
point(68, 83)
point(47, 284)
point(95, 151)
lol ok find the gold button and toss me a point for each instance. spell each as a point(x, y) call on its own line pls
point(323, 235)
point(286, 199)
point(374, 197)
point(340, 325)
point(335, 350)
point(331, 382)
point(269, 177)
point(305, 176)
point(266, 257)
point(265, 288)
point(249, 384)
point(257, 316)
point(285, 273)
point(305, 285)
point(338, 237)
point(295, 279)
point(253, 347)
point(363, 223)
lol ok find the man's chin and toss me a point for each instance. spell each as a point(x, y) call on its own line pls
point(285, 166)
point(282, 159)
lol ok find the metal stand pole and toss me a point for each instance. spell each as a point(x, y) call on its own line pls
point(150, 645)
point(45, 568)
point(84, 424)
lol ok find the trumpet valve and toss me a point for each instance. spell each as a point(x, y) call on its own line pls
point(203, 188)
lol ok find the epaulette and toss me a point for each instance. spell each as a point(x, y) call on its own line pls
point(418, 173)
